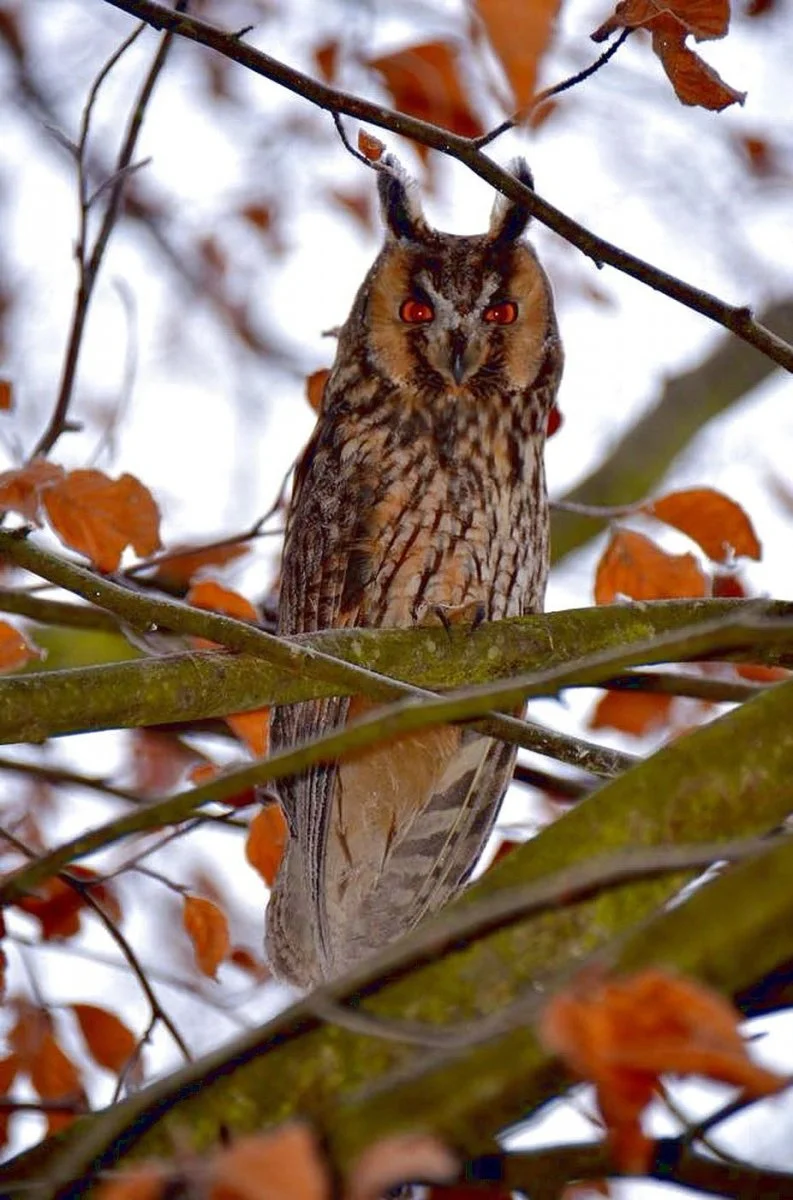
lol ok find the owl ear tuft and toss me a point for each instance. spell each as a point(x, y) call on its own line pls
point(508, 219)
point(400, 207)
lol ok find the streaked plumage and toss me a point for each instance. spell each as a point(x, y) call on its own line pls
point(422, 486)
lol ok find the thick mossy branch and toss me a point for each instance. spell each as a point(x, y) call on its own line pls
point(395, 720)
point(194, 686)
point(730, 778)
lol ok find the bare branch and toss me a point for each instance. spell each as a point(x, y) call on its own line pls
point(89, 262)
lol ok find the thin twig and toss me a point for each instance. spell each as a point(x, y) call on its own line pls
point(675, 683)
point(89, 262)
point(738, 319)
point(84, 891)
point(542, 97)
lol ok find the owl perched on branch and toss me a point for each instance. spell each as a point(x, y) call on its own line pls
point(422, 489)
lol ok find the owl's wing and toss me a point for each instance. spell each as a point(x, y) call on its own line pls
point(391, 833)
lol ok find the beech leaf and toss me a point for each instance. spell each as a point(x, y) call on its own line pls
point(715, 522)
point(632, 565)
point(21, 489)
point(425, 82)
point(520, 34)
point(15, 649)
point(634, 713)
point(622, 1035)
point(208, 930)
point(99, 517)
point(265, 843)
point(110, 1043)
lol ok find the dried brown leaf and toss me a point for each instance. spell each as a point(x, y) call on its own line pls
point(208, 930)
point(100, 517)
point(326, 57)
point(22, 488)
point(264, 847)
point(634, 566)
point(634, 713)
point(622, 1035)
point(520, 34)
point(253, 729)
point(694, 81)
point(425, 81)
point(213, 596)
point(315, 387)
point(715, 522)
point(370, 146)
point(15, 649)
point(110, 1043)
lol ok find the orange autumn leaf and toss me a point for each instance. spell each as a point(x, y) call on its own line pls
point(670, 24)
point(369, 146)
point(15, 649)
point(179, 567)
point(55, 1077)
point(213, 596)
point(110, 1043)
point(704, 19)
point(99, 517)
point(208, 930)
point(634, 713)
point(21, 490)
point(245, 960)
point(6, 395)
point(520, 35)
point(711, 519)
point(424, 81)
point(58, 907)
point(622, 1035)
point(315, 388)
point(203, 772)
point(253, 729)
point(694, 81)
point(265, 843)
point(634, 566)
point(326, 56)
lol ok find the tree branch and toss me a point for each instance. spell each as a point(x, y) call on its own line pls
point(356, 1088)
point(406, 717)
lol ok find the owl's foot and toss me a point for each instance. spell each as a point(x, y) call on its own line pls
point(469, 615)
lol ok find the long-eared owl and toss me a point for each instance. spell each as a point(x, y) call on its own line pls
point(422, 488)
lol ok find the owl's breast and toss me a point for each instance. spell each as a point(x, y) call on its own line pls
point(453, 535)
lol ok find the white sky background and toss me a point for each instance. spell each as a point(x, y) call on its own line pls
point(211, 430)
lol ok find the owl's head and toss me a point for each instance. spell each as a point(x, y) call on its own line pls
point(458, 314)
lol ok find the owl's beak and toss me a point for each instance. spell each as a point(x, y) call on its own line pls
point(458, 358)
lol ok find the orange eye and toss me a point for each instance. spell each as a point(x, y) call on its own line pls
point(416, 312)
point(501, 314)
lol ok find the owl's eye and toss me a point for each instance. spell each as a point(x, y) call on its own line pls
point(416, 312)
point(501, 314)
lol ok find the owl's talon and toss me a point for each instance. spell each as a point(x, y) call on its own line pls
point(469, 615)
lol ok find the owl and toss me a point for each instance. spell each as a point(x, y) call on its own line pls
point(421, 491)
